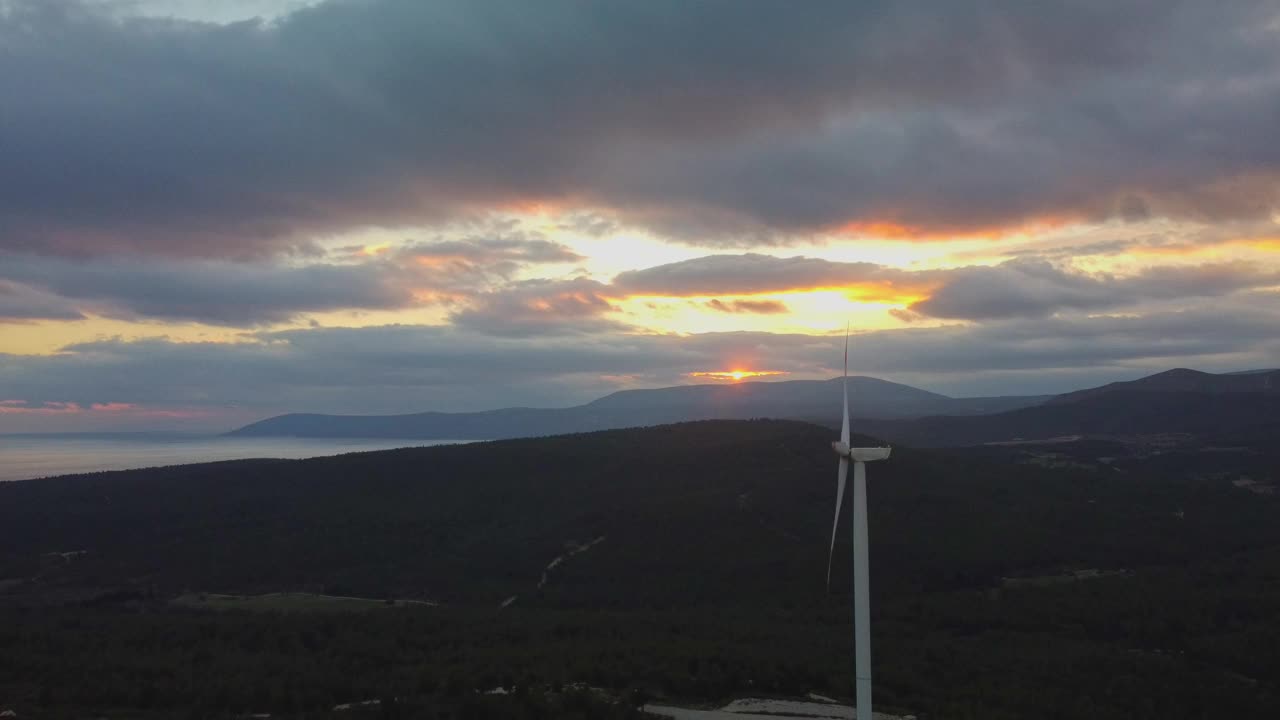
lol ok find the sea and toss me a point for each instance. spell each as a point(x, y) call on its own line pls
point(30, 456)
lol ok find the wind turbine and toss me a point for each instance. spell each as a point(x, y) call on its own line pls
point(861, 596)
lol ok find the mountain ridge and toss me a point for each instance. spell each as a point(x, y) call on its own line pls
point(1178, 400)
point(1203, 406)
point(791, 399)
point(1184, 380)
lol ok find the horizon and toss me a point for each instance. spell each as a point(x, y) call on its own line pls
point(219, 431)
point(219, 212)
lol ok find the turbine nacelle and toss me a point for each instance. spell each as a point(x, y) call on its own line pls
point(861, 454)
point(870, 454)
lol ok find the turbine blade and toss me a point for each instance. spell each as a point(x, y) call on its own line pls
point(835, 524)
point(844, 427)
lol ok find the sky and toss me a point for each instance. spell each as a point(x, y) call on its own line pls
point(214, 212)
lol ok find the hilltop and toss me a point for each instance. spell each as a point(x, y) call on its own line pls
point(1204, 407)
point(1184, 380)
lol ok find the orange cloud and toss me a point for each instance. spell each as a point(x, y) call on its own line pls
point(438, 297)
point(1183, 249)
point(436, 262)
point(22, 407)
point(893, 230)
point(884, 293)
point(1268, 244)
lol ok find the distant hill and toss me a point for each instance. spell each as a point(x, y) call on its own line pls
point(870, 396)
point(1183, 380)
point(800, 399)
point(1176, 401)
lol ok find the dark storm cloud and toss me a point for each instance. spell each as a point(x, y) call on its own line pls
point(1045, 157)
point(750, 119)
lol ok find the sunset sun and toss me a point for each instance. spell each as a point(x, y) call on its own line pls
point(735, 375)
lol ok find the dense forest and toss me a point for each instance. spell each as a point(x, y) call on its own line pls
point(687, 563)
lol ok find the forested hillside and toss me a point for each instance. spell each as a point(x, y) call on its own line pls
point(691, 566)
point(1214, 417)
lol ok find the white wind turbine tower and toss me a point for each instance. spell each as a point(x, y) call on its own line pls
point(861, 596)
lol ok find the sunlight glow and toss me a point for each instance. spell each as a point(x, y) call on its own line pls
point(812, 312)
point(891, 230)
point(736, 375)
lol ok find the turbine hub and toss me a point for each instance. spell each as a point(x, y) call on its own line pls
point(842, 448)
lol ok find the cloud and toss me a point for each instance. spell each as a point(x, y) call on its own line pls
point(1020, 287)
point(503, 254)
point(21, 407)
point(220, 11)
point(752, 273)
point(1035, 288)
point(19, 303)
point(758, 307)
point(54, 416)
point(474, 278)
point(147, 135)
point(540, 307)
point(214, 292)
point(196, 171)
point(1016, 288)
point(1049, 344)
point(53, 407)
point(222, 292)
point(589, 223)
